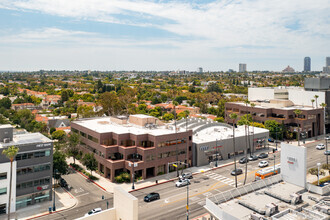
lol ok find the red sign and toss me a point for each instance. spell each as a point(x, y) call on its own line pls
point(39, 188)
point(216, 147)
point(290, 162)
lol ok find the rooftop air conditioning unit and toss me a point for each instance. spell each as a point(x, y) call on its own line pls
point(256, 216)
point(6, 140)
point(295, 198)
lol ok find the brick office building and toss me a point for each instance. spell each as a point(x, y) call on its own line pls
point(118, 141)
point(311, 120)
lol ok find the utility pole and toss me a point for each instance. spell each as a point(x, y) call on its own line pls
point(54, 207)
point(326, 149)
point(274, 165)
point(216, 156)
point(276, 138)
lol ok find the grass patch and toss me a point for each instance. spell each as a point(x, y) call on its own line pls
point(322, 180)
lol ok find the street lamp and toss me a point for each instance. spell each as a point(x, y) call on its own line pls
point(187, 206)
point(133, 173)
point(318, 173)
point(54, 207)
point(326, 149)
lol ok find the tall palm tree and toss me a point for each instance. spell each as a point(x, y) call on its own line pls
point(316, 97)
point(10, 153)
point(297, 112)
point(313, 100)
point(233, 116)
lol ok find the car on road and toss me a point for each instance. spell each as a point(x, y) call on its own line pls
point(320, 146)
point(187, 175)
point(327, 152)
point(243, 160)
point(183, 182)
point(236, 172)
point(263, 163)
point(63, 183)
point(328, 138)
point(253, 157)
point(93, 211)
point(263, 155)
point(151, 197)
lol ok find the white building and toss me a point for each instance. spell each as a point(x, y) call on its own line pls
point(298, 95)
point(242, 67)
point(4, 187)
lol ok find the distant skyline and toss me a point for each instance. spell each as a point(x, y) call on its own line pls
point(163, 35)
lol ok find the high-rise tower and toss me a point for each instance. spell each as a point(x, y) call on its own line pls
point(307, 64)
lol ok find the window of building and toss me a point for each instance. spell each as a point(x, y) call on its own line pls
point(3, 191)
point(3, 176)
point(189, 138)
point(3, 208)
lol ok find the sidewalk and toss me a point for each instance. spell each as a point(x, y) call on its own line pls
point(63, 200)
point(107, 185)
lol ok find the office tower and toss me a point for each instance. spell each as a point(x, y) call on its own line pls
point(200, 70)
point(326, 69)
point(242, 67)
point(327, 63)
point(307, 64)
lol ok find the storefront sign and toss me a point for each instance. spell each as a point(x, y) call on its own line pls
point(291, 160)
point(44, 145)
point(204, 148)
point(42, 187)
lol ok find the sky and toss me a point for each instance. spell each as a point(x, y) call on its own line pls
point(146, 35)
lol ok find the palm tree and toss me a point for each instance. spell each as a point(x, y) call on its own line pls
point(10, 153)
point(316, 96)
point(313, 100)
point(297, 112)
point(233, 116)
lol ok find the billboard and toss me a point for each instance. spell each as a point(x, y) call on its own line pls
point(294, 164)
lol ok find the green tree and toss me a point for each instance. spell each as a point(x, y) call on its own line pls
point(10, 153)
point(244, 119)
point(52, 130)
point(90, 162)
point(313, 100)
point(214, 87)
point(72, 149)
point(110, 103)
point(168, 116)
point(58, 135)
point(5, 102)
point(316, 97)
point(273, 127)
point(59, 164)
point(85, 111)
point(220, 119)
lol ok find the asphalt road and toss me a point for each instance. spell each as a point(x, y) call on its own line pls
point(88, 195)
point(172, 204)
point(173, 200)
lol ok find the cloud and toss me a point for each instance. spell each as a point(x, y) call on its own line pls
point(241, 28)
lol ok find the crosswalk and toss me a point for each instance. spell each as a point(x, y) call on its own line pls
point(221, 178)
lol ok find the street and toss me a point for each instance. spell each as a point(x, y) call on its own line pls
point(173, 200)
point(88, 195)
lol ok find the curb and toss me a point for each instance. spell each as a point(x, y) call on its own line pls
point(89, 179)
point(63, 209)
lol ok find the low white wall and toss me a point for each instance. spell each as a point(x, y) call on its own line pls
point(109, 214)
point(318, 190)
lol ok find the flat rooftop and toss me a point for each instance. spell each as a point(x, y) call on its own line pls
point(104, 125)
point(222, 133)
point(264, 105)
point(28, 138)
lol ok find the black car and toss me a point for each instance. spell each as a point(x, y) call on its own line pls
point(243, 160)
point(151, 196)
point(253, 157)
point(236, 172)
point(263, 155)
point(63, 183)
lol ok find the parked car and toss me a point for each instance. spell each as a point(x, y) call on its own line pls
point(63, 183)
point(253, 157)
point(93, 211)
point(263, 155)
point(236, 172)
point(263, 163)
point(243, 160)
point(183, 182)
point(270, 139)
point(328, 138)
point(327, 152)
point(320, 146)
point(151, 196)
point(187, 175)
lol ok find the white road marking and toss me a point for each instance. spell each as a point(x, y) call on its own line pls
point(82, 194)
